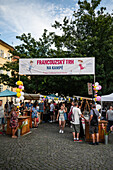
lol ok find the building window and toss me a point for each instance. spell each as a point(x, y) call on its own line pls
point(8, 56)
point(8, 87)
point(2, 53)
point(1, 87)
point(1, 71)
point(8, 73)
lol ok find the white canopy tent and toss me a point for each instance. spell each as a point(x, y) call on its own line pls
point(106, 98)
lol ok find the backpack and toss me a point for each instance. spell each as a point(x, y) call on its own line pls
point(94, 120)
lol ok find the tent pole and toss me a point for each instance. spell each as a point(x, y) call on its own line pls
point(94, 78)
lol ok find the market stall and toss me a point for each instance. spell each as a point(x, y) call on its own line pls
point(24, 125)
point(88, 137)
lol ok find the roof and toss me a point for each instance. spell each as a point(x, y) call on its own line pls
point(6, 45)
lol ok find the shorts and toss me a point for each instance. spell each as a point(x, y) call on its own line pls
point(93, 129)
point(51, 113)
point(34, 116)
point(2, 121)
point(76, 128)
point(61, 118)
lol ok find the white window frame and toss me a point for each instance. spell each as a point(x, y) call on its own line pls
point(1, 87)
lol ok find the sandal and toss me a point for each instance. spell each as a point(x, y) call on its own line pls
point(14, 137)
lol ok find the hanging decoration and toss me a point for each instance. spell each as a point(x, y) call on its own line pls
point(96, 88)
point(20, 94)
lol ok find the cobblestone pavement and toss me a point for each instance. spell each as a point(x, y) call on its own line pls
point(46, 149)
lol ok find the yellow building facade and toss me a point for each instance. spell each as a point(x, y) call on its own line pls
point(5, 56)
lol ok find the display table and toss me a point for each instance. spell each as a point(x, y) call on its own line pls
point(88, 137)
point(23, 119)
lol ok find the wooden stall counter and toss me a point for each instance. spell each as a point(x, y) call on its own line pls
point(28, 113)
point(88, 137)
point(21, 120)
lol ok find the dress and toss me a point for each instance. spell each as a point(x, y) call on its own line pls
point(14, 120)
point(34, 112)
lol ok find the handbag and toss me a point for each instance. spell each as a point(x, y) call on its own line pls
point(37, 120)
point(70, 115)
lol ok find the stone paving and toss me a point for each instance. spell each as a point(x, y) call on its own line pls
point(46, 149)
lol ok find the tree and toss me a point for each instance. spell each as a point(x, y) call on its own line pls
point(88, 34)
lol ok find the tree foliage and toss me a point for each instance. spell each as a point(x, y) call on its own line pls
point(88, 34)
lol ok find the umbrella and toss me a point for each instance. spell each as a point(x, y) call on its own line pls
point(7, 93)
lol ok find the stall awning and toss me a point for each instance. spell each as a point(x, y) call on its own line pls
point(8, 93)
point(28, 96)
point(107, 97)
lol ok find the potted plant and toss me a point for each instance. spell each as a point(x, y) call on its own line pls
point(106, 134)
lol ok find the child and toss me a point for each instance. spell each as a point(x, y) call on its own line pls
point(14, 121)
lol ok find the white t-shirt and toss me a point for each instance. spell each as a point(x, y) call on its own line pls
point(51, 107)
point(76, 115)
point(1, 112)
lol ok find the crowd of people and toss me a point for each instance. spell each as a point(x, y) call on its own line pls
point(64, 113)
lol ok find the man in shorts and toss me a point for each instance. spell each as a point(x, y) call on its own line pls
point(76, 114)
point(2, 120)
point(93, 125)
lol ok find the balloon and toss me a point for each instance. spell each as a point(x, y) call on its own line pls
point(19, 83)
point(17, 100)
point(43, 99)
point(100, 87)
point(21, 97)
point(97, 88)
point(20, 87)
point(22, 93)
point(18, 104)
point(98, 98)
point(17, 90)
point(96, 84)
point(18, 94)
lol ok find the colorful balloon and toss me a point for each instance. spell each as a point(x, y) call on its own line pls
point(18, 94)
point(19, 83)
point(17, 100)
point(20, 87)
point(18, 90)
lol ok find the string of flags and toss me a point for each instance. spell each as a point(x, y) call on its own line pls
point(43, 98)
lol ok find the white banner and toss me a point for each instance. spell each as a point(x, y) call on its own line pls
point(57, 66)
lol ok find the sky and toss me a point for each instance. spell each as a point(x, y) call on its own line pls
point(33, 16)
